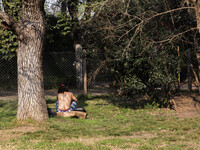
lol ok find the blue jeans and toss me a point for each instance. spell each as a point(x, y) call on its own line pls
point(72, 107)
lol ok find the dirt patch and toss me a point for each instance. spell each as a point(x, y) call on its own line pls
point(8, 134)
point(96, 90)
point(186, 105)
point(93, 140)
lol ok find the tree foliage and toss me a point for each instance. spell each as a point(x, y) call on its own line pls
point(8, 39)
point(58, 36)
point(138, 40)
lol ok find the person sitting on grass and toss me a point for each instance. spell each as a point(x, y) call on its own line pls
point(65, 107)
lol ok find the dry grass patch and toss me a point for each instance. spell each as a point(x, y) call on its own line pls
point(8, 134)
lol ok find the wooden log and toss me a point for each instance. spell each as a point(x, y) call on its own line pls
point(77, 114)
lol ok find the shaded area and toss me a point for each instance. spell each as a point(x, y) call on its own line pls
point(8, 112)
point(59, 68)
point(135, 103)
point(187, 105)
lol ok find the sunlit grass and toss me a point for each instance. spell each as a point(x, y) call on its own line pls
point(108, 126)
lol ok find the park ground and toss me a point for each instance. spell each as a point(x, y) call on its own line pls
point(111, 125)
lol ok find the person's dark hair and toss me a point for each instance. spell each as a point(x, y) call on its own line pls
point(63, 89)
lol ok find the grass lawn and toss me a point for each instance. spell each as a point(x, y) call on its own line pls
point(109, 126)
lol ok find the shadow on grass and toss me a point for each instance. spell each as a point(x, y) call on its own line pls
point(8, 110)
point(8, 105)
point(134, 103)
point(140, 102)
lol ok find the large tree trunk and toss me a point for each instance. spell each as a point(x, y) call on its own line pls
point(31, 100)
point(31, 32)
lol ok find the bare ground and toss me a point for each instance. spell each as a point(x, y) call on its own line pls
point(94, 90)
point(186, 105)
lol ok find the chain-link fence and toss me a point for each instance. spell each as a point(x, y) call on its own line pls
point(8, 76)
point(58, 67)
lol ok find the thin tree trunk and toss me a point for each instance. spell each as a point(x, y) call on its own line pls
point(197, 52)
point(31, 100)
point(196, 76)
point(189, 72)
point(179, 66)
point(85, 75)
point(197, 12)
point(63, 7)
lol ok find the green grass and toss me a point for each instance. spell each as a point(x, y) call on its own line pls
point(109, 126)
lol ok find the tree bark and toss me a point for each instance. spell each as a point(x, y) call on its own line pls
point(31, 100)
point(31, 32)
point(63, 7)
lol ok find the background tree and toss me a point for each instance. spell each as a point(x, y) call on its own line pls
point(67, 32)
point(138, 41)
point(30, 31)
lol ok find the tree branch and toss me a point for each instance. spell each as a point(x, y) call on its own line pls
point(174, 36)
point(144, 21)
point(11, 22)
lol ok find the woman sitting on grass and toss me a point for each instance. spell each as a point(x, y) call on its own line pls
point(64, 107)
